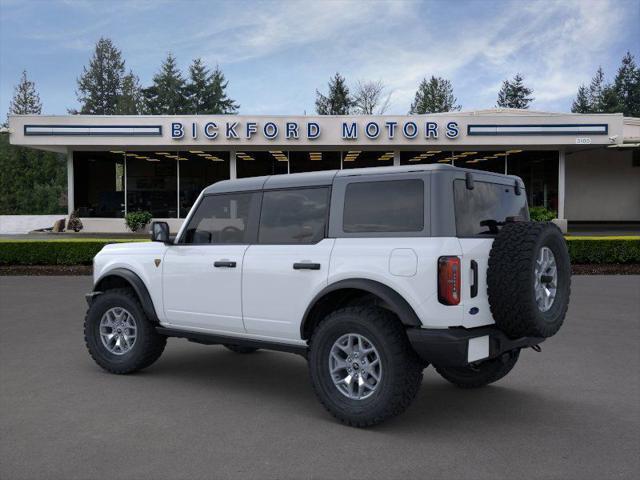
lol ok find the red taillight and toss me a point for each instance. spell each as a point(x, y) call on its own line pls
point(449, 280)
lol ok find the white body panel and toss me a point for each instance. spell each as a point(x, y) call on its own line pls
point(198, 294)
point(139, 257)
point(476, 310)
point(274, 295)
point(374, 258)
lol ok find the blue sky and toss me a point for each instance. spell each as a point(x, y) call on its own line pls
point(275, 54)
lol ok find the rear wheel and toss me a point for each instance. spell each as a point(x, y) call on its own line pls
point(362, 367)
point(118, 334)
point(475, 376)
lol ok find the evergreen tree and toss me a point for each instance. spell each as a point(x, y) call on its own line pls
point(218, 100)
point(596, 91)
point(514, 94)
point(338, 101)
point(627, 86)
point(206, 92)
point(581, 104)
point(130, 101)
point(25, 99)
point(100, 85)
point(433, 96)
point(167, 95)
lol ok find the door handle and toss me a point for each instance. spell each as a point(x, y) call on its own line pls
point(224, 263)
point(306, 266)
point(474, 272)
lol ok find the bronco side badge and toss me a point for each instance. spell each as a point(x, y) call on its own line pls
point(157, 262)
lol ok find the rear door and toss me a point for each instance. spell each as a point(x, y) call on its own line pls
point(289, 264)
point(479, 214)
point(202, 273)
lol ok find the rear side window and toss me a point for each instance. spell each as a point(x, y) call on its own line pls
point(294, 216)
point(384, 206)
point(486, 204)
point(221, 219)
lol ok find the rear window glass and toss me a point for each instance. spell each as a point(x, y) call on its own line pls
point(294, 216)
point(486, 205)
point(386, 206)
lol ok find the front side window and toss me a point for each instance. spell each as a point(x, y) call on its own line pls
point(481, 210)
point(220, 219)
point(384, 206)
point(296, 216)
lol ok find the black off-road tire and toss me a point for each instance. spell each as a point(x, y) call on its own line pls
point(148, 345)
point(401, 368)
point(240, 348)
point(510, 279)
point(480, 375)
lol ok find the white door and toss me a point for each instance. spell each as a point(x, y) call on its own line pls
point(202, 274)
point(289, 265)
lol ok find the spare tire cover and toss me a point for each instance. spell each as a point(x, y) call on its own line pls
point(529, 279)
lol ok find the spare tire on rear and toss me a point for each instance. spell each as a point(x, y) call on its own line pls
point(529, 279)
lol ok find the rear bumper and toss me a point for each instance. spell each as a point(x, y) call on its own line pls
point(458, 347)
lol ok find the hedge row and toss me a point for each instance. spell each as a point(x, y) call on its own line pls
point(52, 252)
point(603, 250)
point(599, 250)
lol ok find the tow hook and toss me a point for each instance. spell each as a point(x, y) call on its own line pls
point(536, 348)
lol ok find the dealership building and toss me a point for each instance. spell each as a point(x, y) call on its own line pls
point(585, 167)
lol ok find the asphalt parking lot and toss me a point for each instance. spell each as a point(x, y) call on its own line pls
point(572, 411)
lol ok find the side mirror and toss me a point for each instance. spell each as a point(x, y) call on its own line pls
point(160, 232)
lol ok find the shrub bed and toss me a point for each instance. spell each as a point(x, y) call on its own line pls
point(73, 251)
point(604, 250)
point(80, 251)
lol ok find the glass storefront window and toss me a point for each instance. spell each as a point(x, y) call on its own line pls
point(199, 169)
point(364, 158)
point(539, 171)
point(313, 161)
point(259, 163)
point(99, 184)
point(152, 184)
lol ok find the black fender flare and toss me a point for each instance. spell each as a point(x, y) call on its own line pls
point(138, 287)
point(396, 302)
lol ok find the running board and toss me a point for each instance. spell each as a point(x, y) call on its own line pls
point(213, 339)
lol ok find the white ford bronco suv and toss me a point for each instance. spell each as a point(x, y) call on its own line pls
point(371, 274)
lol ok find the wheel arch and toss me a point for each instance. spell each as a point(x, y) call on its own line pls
point(122, 277)
point(345, 291)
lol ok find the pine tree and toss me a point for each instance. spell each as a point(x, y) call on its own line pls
point(99, 86)
point(627, 86)
point(514, 94)
point(25, 99)
point(596, 91)
point(167, 95)
point(130, 101)
point(581, 104)
point(219, 103)
point(206, 92)
point(434, 95)
point(338, 101)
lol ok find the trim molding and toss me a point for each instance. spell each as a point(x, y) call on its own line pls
point(532, 129)
point(93, 130)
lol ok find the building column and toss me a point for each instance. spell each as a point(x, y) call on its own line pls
point(70, 183)
point(396, 158)
point(562, 222)
point(232, 165)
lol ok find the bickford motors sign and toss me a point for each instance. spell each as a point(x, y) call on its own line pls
point(294, 130)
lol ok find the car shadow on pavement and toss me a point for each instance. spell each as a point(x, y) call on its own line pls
point(281, 381)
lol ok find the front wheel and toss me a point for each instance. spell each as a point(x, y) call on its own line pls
point(487, 372)
point(362, 367)
point(118, 334)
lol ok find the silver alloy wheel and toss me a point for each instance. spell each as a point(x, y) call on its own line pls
point(545, 279)
point(355, 367)
point(118, 330)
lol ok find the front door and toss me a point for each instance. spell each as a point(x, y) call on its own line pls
point(202, 273)
point(290, 263)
